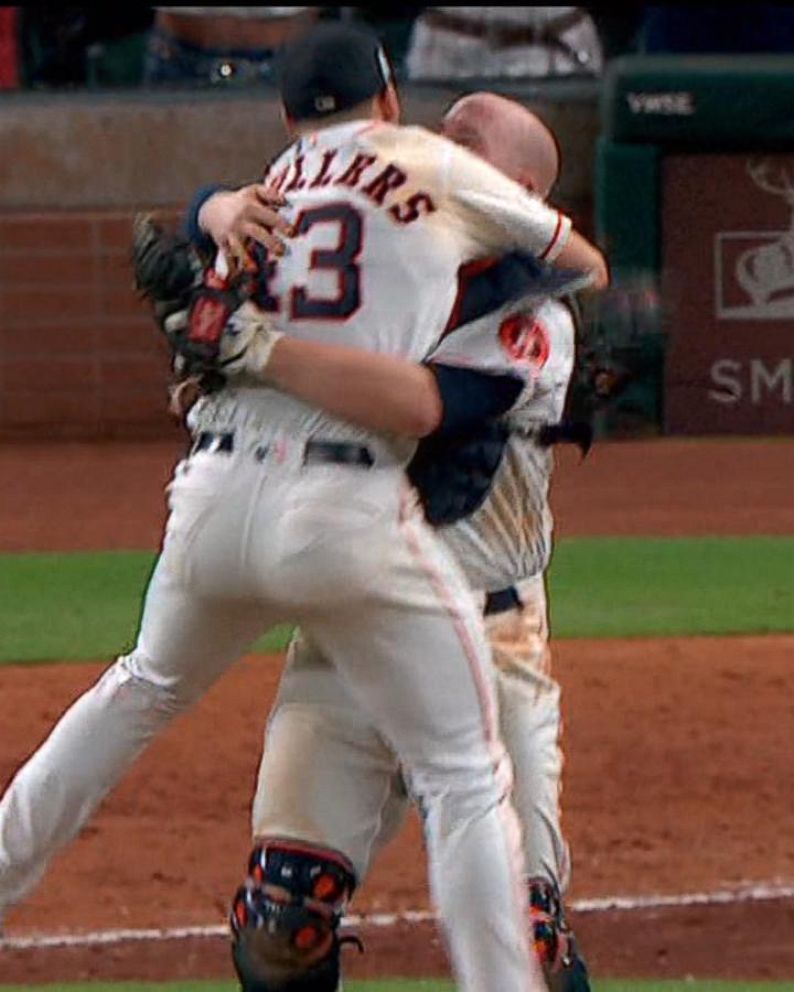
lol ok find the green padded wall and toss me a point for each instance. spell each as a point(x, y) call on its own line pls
point(627, 197)
point(708, 103)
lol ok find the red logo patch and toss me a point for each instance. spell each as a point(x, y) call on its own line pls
point(208, 320)
point(525, 340)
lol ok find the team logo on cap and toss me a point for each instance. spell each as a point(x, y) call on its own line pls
point(322, 104)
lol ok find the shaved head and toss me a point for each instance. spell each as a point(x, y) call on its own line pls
point(508, 136)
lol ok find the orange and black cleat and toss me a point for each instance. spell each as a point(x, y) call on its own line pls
point(563, 968)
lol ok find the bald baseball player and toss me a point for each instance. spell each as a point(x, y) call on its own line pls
point(327, 776)
point(284, 513)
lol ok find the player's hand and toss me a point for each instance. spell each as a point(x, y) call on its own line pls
point(247, 343)
point(234, 217)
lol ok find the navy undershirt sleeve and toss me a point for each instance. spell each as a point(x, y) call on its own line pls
point(470, 397)
point(200, 239)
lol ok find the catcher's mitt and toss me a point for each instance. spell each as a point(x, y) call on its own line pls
point(620, 347)
point(192, 304)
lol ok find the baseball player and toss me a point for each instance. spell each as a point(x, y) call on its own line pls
point(283, 513)
point(352, 800)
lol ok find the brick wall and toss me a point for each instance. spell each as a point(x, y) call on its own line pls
point(79, 354)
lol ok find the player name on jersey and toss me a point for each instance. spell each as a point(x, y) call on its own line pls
point(366, 173)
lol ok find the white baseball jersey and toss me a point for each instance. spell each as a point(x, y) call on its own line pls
point(385, 216)
point(509, 537)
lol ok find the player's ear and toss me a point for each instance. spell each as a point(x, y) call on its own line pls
point(389, 105)
point(527, 180)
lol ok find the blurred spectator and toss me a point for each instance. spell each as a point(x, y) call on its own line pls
point(740, 29)
point(211, 45)
point(9, 48)
point(618, 28)
point(507, 42)
point(76, 46)
point(55, 40)
point(116, 54)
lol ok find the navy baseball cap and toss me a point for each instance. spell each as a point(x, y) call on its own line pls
point(330, 69)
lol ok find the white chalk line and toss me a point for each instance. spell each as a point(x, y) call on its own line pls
point(745, 893)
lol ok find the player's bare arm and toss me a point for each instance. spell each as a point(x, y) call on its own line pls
point(376, 391)
point(579, 253)
point(379, 392)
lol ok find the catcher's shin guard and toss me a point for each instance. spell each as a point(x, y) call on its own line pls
point(284, 919)
point(564, 969)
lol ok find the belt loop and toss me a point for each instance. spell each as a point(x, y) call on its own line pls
point(318, 451)
point(225, 443)
point(502, 601)
point(222, 443)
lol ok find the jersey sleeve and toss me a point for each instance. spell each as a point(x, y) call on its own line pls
point(497, 214)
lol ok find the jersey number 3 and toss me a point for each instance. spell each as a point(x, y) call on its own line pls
point(341, 260)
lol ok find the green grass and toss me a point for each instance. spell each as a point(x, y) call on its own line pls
point(632, 587)
point(77, 606)
point(406, 985)
point(86, 606)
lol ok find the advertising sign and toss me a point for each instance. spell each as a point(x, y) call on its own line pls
point(728, 289)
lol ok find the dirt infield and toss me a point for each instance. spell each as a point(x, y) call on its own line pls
point(676, 755)
point(719, 941)
point(677, 751)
